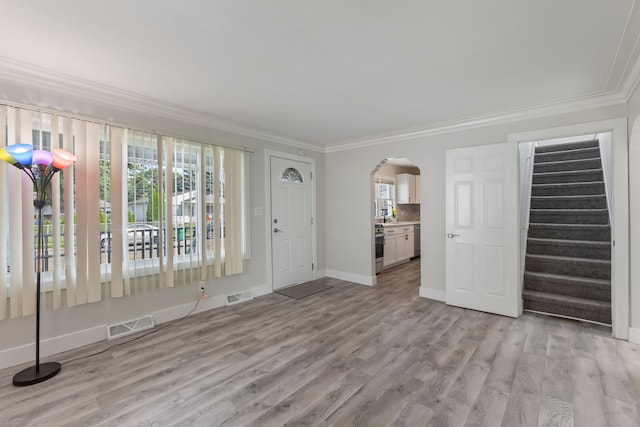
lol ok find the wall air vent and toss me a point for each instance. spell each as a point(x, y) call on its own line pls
point(239, 297)
point(130, 326)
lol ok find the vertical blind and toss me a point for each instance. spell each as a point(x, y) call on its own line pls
point(136, 211)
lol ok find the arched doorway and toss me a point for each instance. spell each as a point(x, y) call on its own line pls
point(396, 231)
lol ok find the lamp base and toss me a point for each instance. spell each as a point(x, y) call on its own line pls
point(30, 376)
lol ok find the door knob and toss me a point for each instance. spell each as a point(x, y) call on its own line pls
point(451, 235)
point(277, 230)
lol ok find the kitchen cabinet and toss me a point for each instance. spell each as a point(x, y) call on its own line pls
point(398, 244)
point(391, 243)
point(408, 188)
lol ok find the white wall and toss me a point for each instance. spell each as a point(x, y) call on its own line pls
point(348, 183)
point(634, 214)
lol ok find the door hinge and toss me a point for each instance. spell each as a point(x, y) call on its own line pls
point(310, 175)
point(313, 266)
point(311, 220)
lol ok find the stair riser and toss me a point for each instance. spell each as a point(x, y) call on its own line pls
point(568, 189)
point(566, 147)
point(576, 165)
point(535, 248)
point(603, 316)
point(558, 178)
point(577, 268)
point(601, 234)
point(559, 156)
point(581, 202)
point(579, 218)
point(568, 288)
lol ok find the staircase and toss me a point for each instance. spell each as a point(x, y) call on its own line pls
point(568, 260)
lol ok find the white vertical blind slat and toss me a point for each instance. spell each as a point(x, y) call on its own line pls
point(55, 219)
point(217, 212)
point(28, 211)
point(82, 212)
point(68, 178)
point(117, 212)
point(202, 215)
point(168, 150)
point(124, 149)
point(15, 219)
point(92, 181)
point(233, 171)
point(4, 295)
point(161, 207)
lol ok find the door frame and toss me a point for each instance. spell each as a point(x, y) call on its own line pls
point(619, 206)
point(314, 234)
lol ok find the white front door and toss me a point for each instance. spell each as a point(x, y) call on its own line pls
point(482, 229)
point(291, 222)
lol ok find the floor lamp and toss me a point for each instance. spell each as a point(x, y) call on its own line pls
point(39, 166)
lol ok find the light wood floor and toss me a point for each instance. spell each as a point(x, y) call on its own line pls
point(353, 355)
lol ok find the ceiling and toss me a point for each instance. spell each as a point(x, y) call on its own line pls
point(334, 72)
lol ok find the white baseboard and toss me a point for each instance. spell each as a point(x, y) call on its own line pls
point(435, 294)
point(321, 273)
point(261, 290)
point(634, 335)
point(18, 355)
point(350, 277)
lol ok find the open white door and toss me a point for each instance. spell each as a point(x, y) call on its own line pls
point(291, 222)
point(482, 229)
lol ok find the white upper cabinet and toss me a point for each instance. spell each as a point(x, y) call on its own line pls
point(408, 188)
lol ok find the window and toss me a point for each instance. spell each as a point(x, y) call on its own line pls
point(384, 196)
point(132, 207)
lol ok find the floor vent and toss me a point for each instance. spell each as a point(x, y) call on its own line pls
point(130, 326)
point(239, 297)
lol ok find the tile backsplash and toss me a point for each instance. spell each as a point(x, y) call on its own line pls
point(408, 212)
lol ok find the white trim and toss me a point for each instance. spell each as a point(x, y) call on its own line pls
point(360, 279)
point(634, 335)
point(25, 353)
point(620, 205)
point(480, 121)
point(434, 294)
point(314, 227)
point(28, 75)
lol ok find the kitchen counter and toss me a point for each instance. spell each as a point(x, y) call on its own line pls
point(399, 223)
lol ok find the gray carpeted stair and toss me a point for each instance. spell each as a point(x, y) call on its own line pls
point(568, 262)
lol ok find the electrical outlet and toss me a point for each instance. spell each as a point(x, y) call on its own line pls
point(203, 290)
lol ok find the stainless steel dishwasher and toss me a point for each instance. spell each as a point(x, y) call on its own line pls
point(416, 240)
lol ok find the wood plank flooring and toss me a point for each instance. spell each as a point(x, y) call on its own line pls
point(350, 356)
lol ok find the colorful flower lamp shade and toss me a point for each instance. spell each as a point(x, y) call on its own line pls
point(40, 166)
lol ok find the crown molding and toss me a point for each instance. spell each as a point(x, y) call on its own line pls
point(30, 76)
point(626, 86)
point(480, 121)
point(27, 75)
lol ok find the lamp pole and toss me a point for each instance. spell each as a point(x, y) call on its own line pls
point(39, 166)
